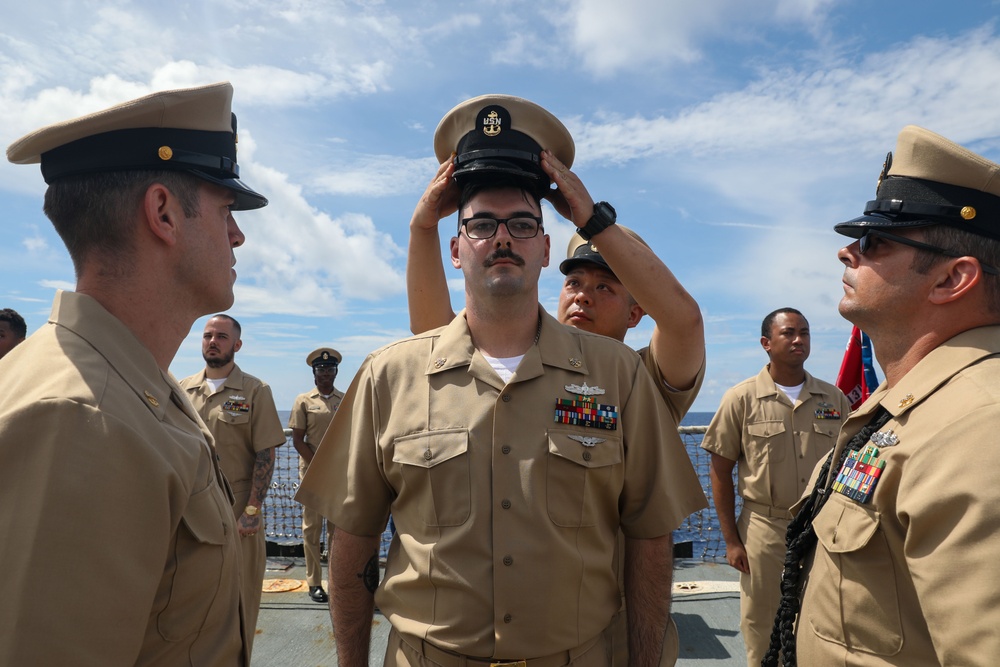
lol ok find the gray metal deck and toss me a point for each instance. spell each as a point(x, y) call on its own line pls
point(294, 631)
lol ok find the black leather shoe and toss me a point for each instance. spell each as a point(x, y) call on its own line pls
point(318, 594)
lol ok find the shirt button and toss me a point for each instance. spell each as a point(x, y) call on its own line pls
point(586, 456)
point(427, 455)
point(507, 560)
point(505, 449)
point(507, 618)
point(505, 504)
point(506, 398)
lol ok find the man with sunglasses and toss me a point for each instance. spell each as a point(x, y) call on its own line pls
point(893, 553)
point(510, 449)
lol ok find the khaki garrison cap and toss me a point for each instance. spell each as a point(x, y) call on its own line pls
point(494, 135)
point(585, 252)
point(190, 129)
point(930, 180)
point(324, 356)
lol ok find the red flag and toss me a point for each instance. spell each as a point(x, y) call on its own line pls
point(851, 379)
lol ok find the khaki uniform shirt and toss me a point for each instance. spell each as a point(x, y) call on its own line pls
point(678, 402)
point(244, 421)
point(119, 545)
point(776, 444)
point(911, 577)
point(507, 519)
point(312, 413)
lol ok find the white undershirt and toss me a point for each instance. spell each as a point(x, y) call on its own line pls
point(791, 392)
point(504, 367)
point(216, 384)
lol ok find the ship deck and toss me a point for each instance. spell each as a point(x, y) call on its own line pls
point(294, 630)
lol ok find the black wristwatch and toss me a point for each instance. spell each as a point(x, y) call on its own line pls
point(604, 216)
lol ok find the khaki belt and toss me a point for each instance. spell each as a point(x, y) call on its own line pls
point(449, 659)
point(767, 510)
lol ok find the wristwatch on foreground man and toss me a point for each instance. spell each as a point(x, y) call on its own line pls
point(604, 216)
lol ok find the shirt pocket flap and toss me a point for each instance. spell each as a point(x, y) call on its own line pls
point(844, 527)
point(430, 448)
point(204, 517)
point(591, 451)
point(827, 427)
point(766, 429)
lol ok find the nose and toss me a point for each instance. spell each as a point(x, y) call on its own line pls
point(581, 295)
point(236, 237)
point(849, 254)
point(502, 236)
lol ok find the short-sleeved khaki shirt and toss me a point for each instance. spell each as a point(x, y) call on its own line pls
point(312, 412)
point(911, 577)
point(678, 401)
point(507, 518)
point(775, 443)
point(243, 419)
point(119, 545)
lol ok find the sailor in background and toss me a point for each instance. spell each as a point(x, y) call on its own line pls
point(119, 545)
point(312, 413)
point(239, 411)
point(775, 427)
point(893, 555)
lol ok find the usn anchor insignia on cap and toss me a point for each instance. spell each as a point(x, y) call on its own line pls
point(584, 410)
point(492, 124)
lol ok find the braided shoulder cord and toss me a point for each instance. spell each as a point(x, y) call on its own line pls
point(800, 540)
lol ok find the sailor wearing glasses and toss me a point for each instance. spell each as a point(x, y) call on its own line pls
point(893, 554)
point(510, 449)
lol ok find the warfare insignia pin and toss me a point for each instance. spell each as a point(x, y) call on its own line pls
point(586, 440)
point(584, 390)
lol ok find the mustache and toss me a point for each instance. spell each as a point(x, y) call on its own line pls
point(503, 253)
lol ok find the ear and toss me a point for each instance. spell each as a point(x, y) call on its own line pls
point(548, 249)
point(455, 261)
point(955, 279)
point(237, 346)
point(162, 212)
point(635, 314)
point(765, 343)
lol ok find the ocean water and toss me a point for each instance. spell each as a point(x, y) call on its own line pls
point(283, 515)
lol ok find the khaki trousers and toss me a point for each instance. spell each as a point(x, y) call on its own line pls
point(312, 532)
point(760, 591)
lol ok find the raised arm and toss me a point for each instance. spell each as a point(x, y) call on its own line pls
point(678, 340)
point(426, 286)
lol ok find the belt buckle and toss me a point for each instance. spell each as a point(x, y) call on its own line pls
point(511, 663)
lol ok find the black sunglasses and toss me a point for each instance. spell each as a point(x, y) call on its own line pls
point(866, 242)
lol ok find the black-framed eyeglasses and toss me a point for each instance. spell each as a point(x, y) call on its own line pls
point(521, 226)
point(866, 243)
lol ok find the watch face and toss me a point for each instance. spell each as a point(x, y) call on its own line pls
point(605, 210)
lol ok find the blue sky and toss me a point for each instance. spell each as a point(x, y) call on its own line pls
point(730, 134)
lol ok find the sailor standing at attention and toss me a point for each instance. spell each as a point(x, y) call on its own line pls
point(311, 415)
point(511, 450)
point(893, 554)
point(775, 426)
point(119, 545)
point(239, 411)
